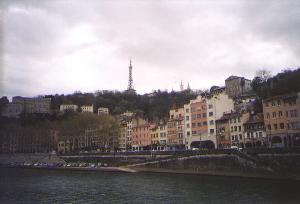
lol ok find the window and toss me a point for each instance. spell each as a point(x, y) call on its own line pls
point(204, 115)
point(194, 116)
point(268, 115)
point(240, 128)
point(198, 115)
point(232, 138)
point(275, 126)
point(187, 110)
point(193, 125)
point(274, 114)
point(273, 103)
point(292, 102)
point(239, 119)
point(211, 122)
point(279, 103)
point(199, 124)
point(231, 129)
point(210, 106)
point(267, 104)
point(194, 132)
point(280, 113)
point(240, 136)
point(187, 125)
point(269, 127)
point(281, 125)
point(260, 134)
point(187, 117)
point(287, 114)
point(188, 133)
point(235, 128)
point(211, 113)
point(293, 113)
point(211, 131)
point(204, 123)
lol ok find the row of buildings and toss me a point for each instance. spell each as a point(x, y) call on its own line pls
point(223, 118)
point(41, 105)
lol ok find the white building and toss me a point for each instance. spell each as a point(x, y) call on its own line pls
point(201, 114)
point(218, 103)
point(103, 111)
point(68, 107)
point(87, 109)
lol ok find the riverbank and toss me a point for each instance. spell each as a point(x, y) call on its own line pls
point(263, 166)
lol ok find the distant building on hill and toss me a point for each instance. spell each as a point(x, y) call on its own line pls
point(27, 106)
point(12, 110)
point(103, 111)
point(87, 109)
point(68, 107)
point(237, 86)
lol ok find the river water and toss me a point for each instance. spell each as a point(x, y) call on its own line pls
point(64, 186)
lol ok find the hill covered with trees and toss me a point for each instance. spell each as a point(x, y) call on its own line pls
point(154, 106)
point(287, 81)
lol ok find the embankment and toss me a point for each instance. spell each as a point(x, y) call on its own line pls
point(263, 166)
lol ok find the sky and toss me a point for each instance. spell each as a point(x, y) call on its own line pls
point(62, 46)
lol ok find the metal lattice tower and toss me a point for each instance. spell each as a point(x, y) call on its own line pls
point(130, 80)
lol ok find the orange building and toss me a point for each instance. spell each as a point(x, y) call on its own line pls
point(196, 123)
point(141, 137)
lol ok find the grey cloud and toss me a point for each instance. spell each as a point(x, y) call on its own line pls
point(198, 41)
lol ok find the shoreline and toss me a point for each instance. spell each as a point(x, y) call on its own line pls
point(163, 171)
point(219, 174)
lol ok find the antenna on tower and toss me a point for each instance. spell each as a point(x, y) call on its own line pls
point(130, 80)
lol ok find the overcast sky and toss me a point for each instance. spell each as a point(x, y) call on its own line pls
point(61, 46)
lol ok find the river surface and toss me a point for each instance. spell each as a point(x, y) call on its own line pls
point(65, 186)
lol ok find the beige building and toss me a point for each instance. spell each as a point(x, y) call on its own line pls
point(87, 109)
point(282, 120)
point(158, 135)
point(175, 129)
point(68, 107)
point(255, 132)
point(236, 124)
point(103, 111)
point(123, 136)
